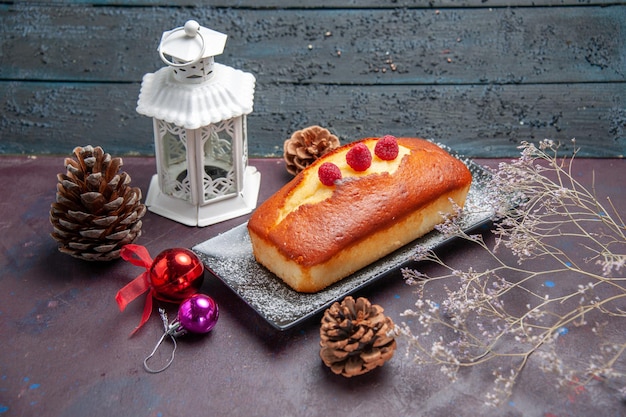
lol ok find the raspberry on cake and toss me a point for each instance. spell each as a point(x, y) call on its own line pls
point(329, 173)
point(387, 148)
point(359, 157)
point(311, 234)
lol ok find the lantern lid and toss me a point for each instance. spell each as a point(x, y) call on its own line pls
point(228, 93)
point(191, 43)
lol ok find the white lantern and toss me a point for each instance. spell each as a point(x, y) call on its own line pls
point(199, 110)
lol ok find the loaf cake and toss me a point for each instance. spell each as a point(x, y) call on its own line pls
point(352, 207)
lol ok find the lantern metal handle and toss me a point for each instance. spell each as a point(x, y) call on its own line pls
point(192, 29)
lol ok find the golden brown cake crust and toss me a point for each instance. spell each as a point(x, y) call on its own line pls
point(358, 207)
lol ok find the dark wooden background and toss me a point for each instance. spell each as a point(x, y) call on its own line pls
point(478, 75)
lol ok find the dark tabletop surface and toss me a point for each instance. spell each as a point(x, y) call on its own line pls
point(66, 349)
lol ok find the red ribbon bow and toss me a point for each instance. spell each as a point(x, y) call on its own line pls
point(137, 255)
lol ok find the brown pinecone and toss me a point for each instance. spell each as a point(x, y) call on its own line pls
point(305, 146)
point(96, 211)
point(355, 337)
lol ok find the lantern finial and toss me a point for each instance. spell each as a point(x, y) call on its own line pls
point(192, 28)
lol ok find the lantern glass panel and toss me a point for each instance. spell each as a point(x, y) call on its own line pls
point(219, 171)
point(175, 180)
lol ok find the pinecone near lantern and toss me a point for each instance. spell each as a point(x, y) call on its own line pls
point(355, 337)
point(96, 211)
point(305, 146)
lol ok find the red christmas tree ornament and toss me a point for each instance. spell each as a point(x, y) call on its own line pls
point(173, 276)
point(176, 274)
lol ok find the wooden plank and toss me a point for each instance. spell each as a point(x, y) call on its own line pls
point(479, 121)
point(358, 46)
point(479, 78)
point(337, 4)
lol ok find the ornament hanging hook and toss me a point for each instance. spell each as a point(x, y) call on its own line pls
point(167, 332)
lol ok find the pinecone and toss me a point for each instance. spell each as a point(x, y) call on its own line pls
point(96, 211)
point(305, 146)
point(355, 337)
